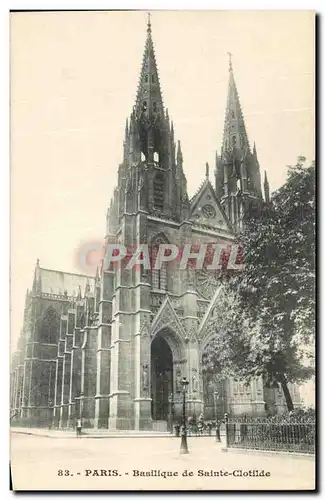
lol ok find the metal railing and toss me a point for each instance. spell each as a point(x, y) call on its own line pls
point(264, 434)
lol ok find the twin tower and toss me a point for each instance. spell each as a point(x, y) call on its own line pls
point(113, 348)
point(151, 176)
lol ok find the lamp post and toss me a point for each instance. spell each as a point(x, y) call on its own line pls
point(170, 413)
point(50, 404)
point(216, 398)
point(81, 404)
point(184, 448)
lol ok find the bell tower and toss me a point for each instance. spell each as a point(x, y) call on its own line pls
point(237, 174)
point(149, 175)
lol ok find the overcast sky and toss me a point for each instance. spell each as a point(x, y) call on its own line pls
point(73, 83)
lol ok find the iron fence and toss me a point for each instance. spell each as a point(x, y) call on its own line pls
point(198, 429)
point(263, 434)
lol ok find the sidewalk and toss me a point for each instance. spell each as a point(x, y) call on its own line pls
point(86, 433)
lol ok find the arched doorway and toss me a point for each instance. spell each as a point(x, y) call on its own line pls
point(161, 377)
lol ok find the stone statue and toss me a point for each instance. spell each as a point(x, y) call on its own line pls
point(145, 377)
point(195, 385)
point(178, 380)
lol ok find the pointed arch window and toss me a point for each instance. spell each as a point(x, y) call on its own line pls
point(49, 326)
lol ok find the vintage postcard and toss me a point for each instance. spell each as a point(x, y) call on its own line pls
point(162, 250)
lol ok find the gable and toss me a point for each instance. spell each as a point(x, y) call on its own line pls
point(207, 210)
point(167, 318)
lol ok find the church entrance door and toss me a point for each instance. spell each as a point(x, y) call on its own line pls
point(161, 377)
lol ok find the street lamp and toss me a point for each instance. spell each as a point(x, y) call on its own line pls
point(184, 448)
point(216, 397)
point(170, 412)
point(51, 408)
point(81, 405)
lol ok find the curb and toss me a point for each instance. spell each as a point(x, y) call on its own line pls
point(270, 453)
point(93, 436)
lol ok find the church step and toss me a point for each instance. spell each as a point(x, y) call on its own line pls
point(159, 425)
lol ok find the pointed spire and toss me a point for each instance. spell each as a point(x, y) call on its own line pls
point(126, 141)
point(207, 171)
point(148, 23)
point(179, 153)
point(234, 135)
point(87, 287)
point(37, 278)
point(266, 188)
point(79, 293)
point(149, 99)
point(254, 150)
point(230, 60)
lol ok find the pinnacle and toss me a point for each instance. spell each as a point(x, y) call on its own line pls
point(148, 90)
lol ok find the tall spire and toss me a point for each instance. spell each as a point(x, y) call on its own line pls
point(230, 60)
point(149, 100)
point(149, 153)
point(179, 154)
point(237, 168)
point(207, 170)
point(234, 135)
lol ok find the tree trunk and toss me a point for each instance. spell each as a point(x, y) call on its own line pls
point(286, 393)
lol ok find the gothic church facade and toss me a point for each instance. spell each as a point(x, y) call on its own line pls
point(113, 348)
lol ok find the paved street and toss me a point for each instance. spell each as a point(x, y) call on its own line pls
point(37, 462)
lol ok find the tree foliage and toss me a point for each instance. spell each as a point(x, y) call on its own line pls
point(269, 329)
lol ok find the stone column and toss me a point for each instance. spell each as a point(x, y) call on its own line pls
point(104, 342)
point(121, 404)
point(143, 400)
point(57, 391)
point(103, 377)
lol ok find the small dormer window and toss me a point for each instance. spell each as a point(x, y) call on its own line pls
point(232, 114)
point(154, 106)
point(146, 79)
point(144, 106)
point(153, 78)
point(234, 140)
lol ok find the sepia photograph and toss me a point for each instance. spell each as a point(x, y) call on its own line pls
point(162, 267)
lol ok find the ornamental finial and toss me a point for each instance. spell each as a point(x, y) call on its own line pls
point(230, 60)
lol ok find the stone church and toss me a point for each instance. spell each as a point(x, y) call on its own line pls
point(114, 347)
